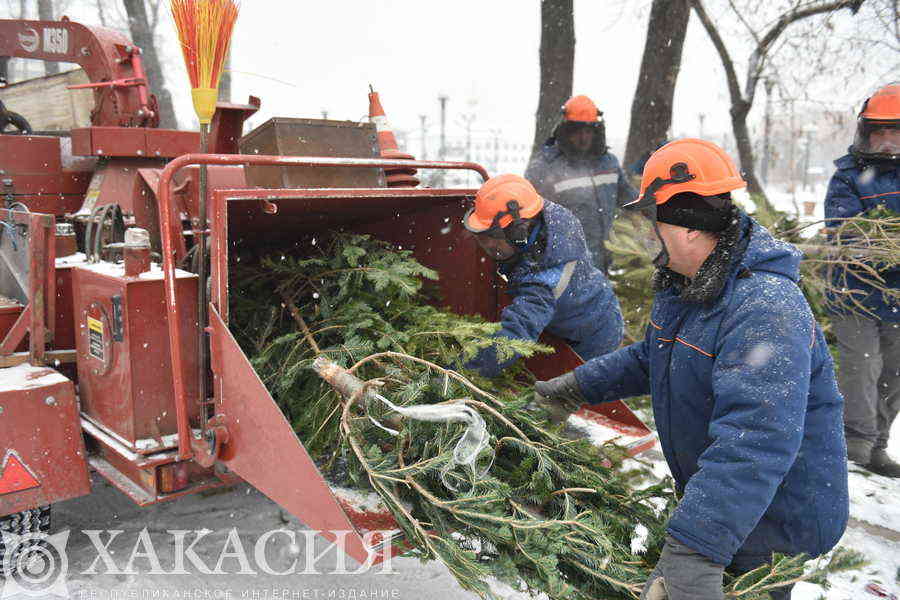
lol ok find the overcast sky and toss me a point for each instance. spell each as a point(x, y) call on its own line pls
point(305, 56)
point(482, 52)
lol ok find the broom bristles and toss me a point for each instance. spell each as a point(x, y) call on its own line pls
point(204, 30)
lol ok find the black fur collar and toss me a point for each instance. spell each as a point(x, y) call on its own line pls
point(707, 285)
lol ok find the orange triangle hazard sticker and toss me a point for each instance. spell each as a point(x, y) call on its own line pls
point(15, 476)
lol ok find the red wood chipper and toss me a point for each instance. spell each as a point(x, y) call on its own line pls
point(102, 363)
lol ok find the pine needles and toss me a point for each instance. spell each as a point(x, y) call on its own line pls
point(533, 508)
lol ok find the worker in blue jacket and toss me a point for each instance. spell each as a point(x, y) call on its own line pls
point(867, 326)
point(540, 249)
point(575, 168)
point(743, 388)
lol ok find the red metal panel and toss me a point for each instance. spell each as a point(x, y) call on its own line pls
point(9, 314)
point(30, 153)
point(45, 186)
point(81, 142)
point(133, 142)
point(64, 336)
point(39, 426)
point(121, 183)
point(263, 449)
point(51, 193)
point(119, 141)
point(169, 143)
point(15, 336)
point(127, 385)
point(32, 163)
point(435, 234)
point(227, 125)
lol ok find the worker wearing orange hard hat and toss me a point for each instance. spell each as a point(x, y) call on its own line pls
point(575, 168)
point(867, 326)
point(539, 248)
point(743, 387)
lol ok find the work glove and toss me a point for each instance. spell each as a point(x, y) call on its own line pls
point(560, 396)
point(683, 574)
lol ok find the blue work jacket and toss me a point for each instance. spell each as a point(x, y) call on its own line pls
point(855, 189)
point(555, 287)
point(749, 416)
point(593, 189)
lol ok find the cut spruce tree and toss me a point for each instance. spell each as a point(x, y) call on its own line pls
point(345, 334)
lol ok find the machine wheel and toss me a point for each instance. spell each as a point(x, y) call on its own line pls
point(33, 520)
point(15, 120)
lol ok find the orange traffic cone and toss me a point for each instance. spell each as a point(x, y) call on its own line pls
point(396, 176)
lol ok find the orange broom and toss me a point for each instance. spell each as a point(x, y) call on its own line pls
point(204, 30)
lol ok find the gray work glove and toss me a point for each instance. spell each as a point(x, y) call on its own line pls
point(683, 574)
point(560, 396)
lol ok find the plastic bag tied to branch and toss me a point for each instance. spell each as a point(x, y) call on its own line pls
point(469, 447)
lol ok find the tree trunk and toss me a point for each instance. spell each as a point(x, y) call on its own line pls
point(142, 36)
point(225, 80)
point(739, 111)
point(101, 13)
point(557, 59)
point(651, 109)
point(45, 13)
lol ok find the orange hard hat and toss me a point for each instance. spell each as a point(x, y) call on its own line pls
point(500, 201)
point(687, 165)
point(581, 109)
point(879, 114)
point(884, 105)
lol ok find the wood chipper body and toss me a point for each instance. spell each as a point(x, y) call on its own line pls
point(99, 278)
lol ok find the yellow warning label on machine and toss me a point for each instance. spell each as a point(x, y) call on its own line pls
point(95, 338)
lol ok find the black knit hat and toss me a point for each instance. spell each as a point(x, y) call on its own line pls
point(687, 209)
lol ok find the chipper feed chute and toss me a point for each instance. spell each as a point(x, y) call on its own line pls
point(247, 433)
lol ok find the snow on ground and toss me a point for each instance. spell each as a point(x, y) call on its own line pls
point(875, 500)
point(884, 557)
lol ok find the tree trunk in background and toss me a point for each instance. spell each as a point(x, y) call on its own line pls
point(557, 58)
point(101, 13)
point(651, 109)
point(45, 13)
point(225, 80)
point(739, 113)
point(142, 36)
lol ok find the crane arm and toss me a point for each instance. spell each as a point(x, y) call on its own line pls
point(112, 63)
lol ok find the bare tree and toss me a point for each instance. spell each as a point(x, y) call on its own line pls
point(101, 13)
point(557, 59)
point(763, 43)
point(141, 28)
point(225, 80)
point(651, 108)
point(45, 13)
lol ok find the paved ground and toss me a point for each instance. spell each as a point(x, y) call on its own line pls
point(252, 515)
